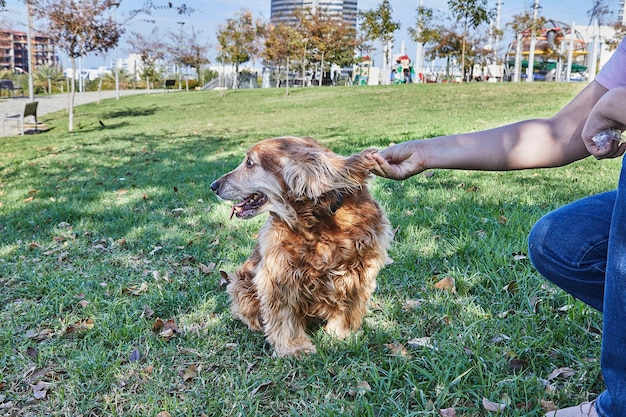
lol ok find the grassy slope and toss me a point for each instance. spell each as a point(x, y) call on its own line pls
point(94, 214)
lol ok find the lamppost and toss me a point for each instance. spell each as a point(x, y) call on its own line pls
point(31, 88)
point(117, 73)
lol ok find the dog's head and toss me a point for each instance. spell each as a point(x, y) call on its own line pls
point(281, 170)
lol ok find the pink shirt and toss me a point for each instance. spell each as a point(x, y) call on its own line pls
point(613, 73)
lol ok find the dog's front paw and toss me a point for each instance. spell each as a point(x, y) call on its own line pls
point(305, 348)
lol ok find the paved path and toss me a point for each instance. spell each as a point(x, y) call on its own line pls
point(51, 104)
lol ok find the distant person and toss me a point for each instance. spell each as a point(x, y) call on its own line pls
point(407, 75)
point(580, 247)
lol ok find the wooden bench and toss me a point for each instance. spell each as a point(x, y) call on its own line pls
point(30, 110)
point(8, 85)
point(168, 84)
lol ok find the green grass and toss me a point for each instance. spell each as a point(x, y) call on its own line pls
point(87, 217)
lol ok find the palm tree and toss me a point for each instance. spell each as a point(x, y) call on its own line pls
point(46, 76)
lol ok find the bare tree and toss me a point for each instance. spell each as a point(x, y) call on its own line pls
point(189, 51)
point(599, 11)
point(151, 49)
point(79, 28)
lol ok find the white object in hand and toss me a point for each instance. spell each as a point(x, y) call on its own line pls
point(603, 138)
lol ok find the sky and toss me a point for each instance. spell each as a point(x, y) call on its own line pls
point(210, 14)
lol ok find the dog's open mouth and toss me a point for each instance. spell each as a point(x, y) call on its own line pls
point(248, 207)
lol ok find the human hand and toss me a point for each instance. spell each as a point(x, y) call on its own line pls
point(602, 131)
point(399, 161)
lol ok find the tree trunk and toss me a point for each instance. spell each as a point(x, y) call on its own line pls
point(287, 76)
point(235, 78)
point(463, 50)
point(321, 70)
point(100, 87)
point(70, 124)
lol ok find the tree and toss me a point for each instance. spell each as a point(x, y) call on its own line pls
point(149, 5)
point(472, 13)
point(423, 32)
point(283, 42)
point(238, 40)
point(524, 24)
point(446, 43)
point(79, 28)
point(46, 76)
point(377, 24)
point(188, 51)
point(151, 49)
point(599, 11)
point(328, 39)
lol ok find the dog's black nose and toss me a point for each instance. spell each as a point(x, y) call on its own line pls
point(215, 185)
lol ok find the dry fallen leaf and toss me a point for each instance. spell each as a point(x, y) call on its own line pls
point(134, 356)
point(500, 338)
point(147, 312)
point(516, 364)
point(39, 335)
point(362, 388)
point(492, 406)
point(396, 349)
point(262, 387)
point(420, 342)
point(519, 256)
point(548, 406)
point(136, 290)
point(224, 279)
point(32, 352)
point(40, 389)
point(511, 287)
point(447, 412)
point(411, 305)
point(80, 326)
point(563, 372)
point(158, 324)
point(163, 414)
point(446, 284)
point(191, 372)
point(206, 269)
point(167, 329)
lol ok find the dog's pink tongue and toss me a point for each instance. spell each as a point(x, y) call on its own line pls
point(237, 208)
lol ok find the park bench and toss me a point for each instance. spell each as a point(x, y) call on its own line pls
point(168, 84)
point(8, 85)
point(30, 110)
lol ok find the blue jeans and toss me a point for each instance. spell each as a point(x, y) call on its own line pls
point(581, 247)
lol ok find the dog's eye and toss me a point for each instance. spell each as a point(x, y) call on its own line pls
point(249, 163)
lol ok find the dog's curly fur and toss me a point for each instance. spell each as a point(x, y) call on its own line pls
point(319, 252)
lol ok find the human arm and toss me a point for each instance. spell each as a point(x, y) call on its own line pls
point(534, 143)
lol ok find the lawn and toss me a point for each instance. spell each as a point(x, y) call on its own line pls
point(111, 247)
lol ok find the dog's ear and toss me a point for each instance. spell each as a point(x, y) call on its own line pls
point(314, 171)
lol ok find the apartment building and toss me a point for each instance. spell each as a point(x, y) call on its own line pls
point(14, 51)
point(282, 10)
